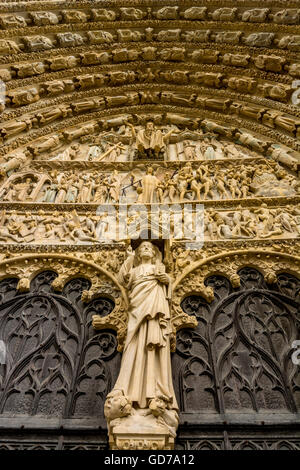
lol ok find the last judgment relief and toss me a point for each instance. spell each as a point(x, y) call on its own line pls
point(149, 225)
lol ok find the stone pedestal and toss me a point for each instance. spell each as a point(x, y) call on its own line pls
point(140, 432)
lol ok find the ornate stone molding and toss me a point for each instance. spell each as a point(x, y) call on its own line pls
point(103, 283)
point(268, 262)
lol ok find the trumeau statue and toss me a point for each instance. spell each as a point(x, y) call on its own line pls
point(144, 390)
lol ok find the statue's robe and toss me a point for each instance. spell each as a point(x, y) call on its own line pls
point(146, 364)
point(153, 141)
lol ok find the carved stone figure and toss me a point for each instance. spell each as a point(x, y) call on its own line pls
point(294, 70)
point(288, 16)
point(194, 13)
point(101, 190)
point(205, 56)
point(99, 37)
point(224, 14)
point(266, 183)
point(229, 37)
point(197, 36)
point(62, 190)
point(129, 14)
point(73, 189)
point(277, 92)
point(270, 63)
point(169, 35)
point(23, 97)
point(256, 15)
point(74, 16)
point(149, 187)
point(259, 39)
point(50, 192)
point(167, 13)
point(28, 70)
point(13, 21)
point(43, 18)
point(24, 189)
point(280, 155)
point(94, 58)
point(48, 143)
point(114, 186)
point(15, 127)
point(238, 60)
point(184, 178)
point(176, 76)
point(175, 54)
point(86, 129)
point(292, 43)
point(121, 77)
point(37, 43)
point(69, 39)
point(208, 79)
point(124, 55)
point(62, 62)
point(144, 385)
point(252, 142)
point(130, 99)
point(78, 234)
point(102, 14)
point(149, 141)
point(127, 35)
point(13, 162)
point(244, 84)
point(9, 47)
point(6, 75)
point(45, 117)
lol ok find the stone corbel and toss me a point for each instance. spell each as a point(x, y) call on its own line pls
point(23, 284)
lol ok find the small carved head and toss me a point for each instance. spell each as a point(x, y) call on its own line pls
point(235, 280)
point(157, 406)
point(117, 405)
point(270, 277)
point(150, 125)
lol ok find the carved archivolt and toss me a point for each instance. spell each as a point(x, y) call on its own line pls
point(55, 62)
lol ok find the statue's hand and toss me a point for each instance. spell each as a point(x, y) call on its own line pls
point(163, 278)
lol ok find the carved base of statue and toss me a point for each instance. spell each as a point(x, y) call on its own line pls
point(152, 428)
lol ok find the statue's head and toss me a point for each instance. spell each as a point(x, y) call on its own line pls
point(150, 126)
point(158, 406)
point(146, 250)
point(117, 405)
point(71, 225)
